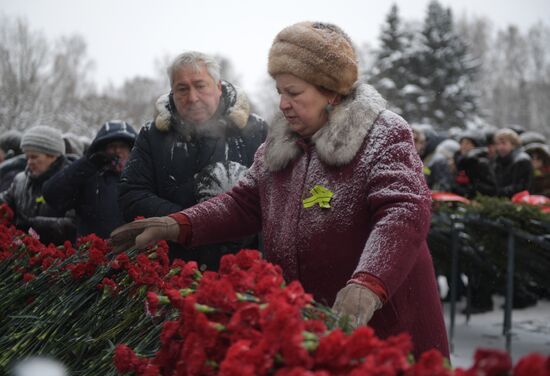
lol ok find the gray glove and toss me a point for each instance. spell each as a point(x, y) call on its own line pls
point(356, 302)
point(143, 232)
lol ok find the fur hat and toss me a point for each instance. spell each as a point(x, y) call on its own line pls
point(319, 53)
point(43, 139)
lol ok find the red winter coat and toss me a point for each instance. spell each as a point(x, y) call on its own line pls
point(377, 222)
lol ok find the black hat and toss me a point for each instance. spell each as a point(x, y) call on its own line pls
point(10, 142)
point(113, 130)
point(472, 135)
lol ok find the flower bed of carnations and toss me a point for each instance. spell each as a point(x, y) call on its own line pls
point(138, 314)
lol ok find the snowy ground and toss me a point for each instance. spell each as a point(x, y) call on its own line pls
point(530, 328)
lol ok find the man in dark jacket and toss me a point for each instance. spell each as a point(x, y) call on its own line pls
point(44, 149)
point(202, 121)
point(513, 169)
point(90, 184)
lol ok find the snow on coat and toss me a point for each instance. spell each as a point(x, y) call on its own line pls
point(377, 222)
point(217, 178)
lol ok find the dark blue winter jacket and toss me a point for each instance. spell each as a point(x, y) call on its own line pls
point(159, 177)
point(91, 191)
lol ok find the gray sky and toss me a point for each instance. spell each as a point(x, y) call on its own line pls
point(125, 37)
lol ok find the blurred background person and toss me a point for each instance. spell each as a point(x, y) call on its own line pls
point(12, 160)
point(44, 150)
point(90, 184)
point(513, 169)
point(540, 159)
point(440, 170)
point(474, 174)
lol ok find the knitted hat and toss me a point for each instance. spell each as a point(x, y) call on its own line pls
point(43, 139)
point(319, 53)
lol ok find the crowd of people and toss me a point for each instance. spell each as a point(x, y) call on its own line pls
point(323, 190)
point(498, 163)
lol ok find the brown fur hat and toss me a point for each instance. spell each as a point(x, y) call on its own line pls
point(319, 53)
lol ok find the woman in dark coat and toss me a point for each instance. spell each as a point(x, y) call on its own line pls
point(44, 148)
point(540, 159)
point(513, 169)
point(337, 190)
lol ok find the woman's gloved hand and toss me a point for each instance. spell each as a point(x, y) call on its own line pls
point(143, 232)
point(356, 302)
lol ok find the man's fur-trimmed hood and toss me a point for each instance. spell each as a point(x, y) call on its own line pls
point(234, 105)
point(338, 141)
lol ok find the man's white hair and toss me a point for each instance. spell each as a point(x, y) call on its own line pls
point(195, 59)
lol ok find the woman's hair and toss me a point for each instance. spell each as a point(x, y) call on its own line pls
point(418, 134)
point(539, 151)
point(508, 135)
point(195, 59)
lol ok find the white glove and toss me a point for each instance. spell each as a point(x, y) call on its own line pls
point(356, 302)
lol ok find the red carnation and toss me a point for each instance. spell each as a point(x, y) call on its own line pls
point(125, 359)
point(533, 365)
point(492, 362)
point(152, 303)
point(430, 363)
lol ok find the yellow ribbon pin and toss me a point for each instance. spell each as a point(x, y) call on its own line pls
point(426, 171)
point(40, 200)
point(319, 195)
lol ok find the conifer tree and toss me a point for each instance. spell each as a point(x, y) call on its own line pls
point(445, 73)
point(390, 73)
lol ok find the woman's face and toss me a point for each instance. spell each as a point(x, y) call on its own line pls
point(536, 162)
point(503, 146)
point(466, 145)
point(302, 104)
point(38, 162)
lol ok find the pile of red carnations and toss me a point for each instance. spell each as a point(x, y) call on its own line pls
point(135, 313)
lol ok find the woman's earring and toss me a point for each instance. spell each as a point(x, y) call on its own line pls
point(329, 107)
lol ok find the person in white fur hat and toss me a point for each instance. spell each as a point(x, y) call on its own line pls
point(337, 190)
point(44, 150)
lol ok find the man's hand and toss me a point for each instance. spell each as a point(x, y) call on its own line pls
point(144, 232)
point(356, 302)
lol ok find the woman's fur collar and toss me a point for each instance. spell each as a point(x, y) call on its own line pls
point(338, 141)
point(235, 101)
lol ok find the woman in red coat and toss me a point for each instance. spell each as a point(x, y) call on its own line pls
point(337, 191)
